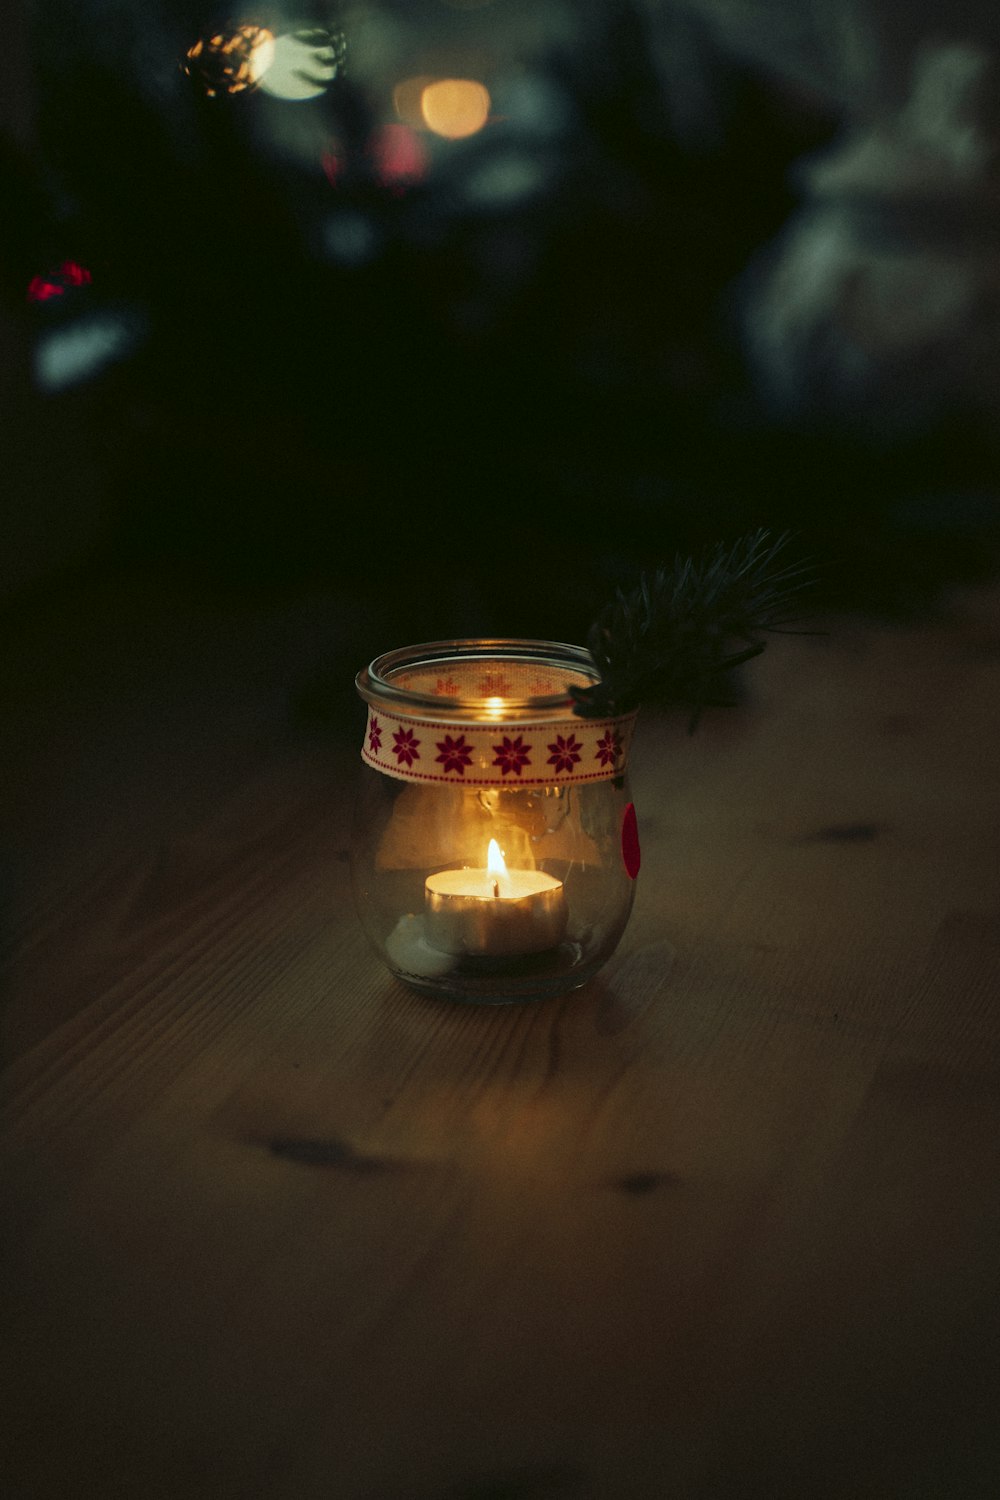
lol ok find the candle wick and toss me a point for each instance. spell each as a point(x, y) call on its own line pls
point(496, 889)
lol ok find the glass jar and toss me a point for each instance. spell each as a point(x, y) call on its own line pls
point(494, 850)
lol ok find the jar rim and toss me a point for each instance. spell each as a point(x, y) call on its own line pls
point(379, 682)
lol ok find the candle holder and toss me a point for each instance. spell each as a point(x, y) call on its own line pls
point(494, 851)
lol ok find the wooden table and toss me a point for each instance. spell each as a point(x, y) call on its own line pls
point(725, 1223)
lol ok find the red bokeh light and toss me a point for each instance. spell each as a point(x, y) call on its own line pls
point(395, 155)
point(399, 156)
point(332, 162)
point(56, 283)
point(75, 274)
point(40, 290)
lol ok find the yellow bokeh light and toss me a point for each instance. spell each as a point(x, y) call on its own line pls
point(407, 99)
point(455, 107)
point(230, 62)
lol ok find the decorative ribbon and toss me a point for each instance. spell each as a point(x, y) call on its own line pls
point(521, 754)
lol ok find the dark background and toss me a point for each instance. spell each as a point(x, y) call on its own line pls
point(487, 391)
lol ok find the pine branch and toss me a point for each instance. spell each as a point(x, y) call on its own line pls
point(673, 638)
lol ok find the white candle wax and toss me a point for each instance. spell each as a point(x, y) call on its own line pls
point(494, 913)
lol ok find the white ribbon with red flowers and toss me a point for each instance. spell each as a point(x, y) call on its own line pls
point(574, 750)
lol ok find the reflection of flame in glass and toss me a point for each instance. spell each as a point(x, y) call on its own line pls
point(304, 63)
point(494, 708)
point(229, 62)
point(455, 107)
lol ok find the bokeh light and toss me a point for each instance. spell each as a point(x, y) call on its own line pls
point(455, 107)
point(398, 155)
point(352, 238)
point(407, 99)
point(304, 63)
point(67, 355)
point(56, 283)
point(333, 162)
point(230, 62)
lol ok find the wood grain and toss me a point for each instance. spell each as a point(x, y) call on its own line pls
point(723, 1223)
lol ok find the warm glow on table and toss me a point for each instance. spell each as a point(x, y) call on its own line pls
point(722, 1223)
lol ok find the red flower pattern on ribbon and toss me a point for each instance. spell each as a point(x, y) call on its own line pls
point(405, 747)
point(565, 752)
point(511, 755)
point(455, 754)
point(446, 687)
point(609, 748)
point(516, 759)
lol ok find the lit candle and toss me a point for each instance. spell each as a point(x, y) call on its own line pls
point(494, 911)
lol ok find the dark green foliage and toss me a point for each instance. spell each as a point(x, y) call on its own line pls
point(673, 638)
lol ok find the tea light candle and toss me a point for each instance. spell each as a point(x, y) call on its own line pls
point(494, 912)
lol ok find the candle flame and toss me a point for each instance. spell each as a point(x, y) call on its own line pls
point(495, 708)
point(495, 860)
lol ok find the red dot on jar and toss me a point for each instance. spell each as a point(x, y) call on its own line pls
point(630, 841)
